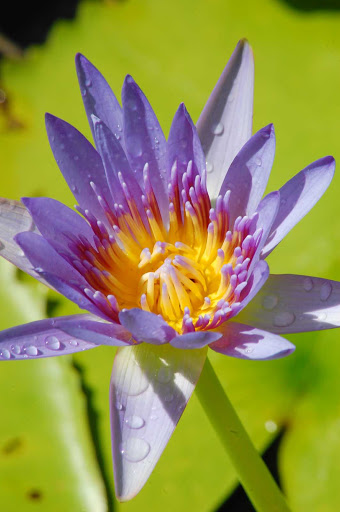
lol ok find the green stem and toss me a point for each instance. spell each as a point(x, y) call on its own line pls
point(252, 471)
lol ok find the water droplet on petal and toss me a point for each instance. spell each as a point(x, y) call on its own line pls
point(74, 343)
point(88, 83)
point(258, 162)
point(52, 343)
point(31, 350)
point(6, 353)
point(164, 374)
point(322, 316)
point(119, 406)
point(269, 302)
point(134, 449)
point(135, 381)
point(325, 291)
point(308, 284)
point(135, 422)
point(209, 167)
point(16, 349)
point(217, 129)
point(284, 319)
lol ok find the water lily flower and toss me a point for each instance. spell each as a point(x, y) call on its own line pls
point(166, 252)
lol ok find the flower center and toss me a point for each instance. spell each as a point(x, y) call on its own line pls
point(192, 272)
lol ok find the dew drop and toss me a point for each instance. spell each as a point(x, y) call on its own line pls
point(169, 397)
point(284, 319)
point(308, 284)
point(164, 374)
point(325, 291)
point(134, 449)
point(217, 129)
point(322, 317)
point(52, 343)
point(16, 349)
point(119, 406)
point(74, 343)
point(209, 167)
point(88, 83)
point(6, 354)
point(84, 92)
point(258, 162)
point(31, 350)
point(135, 422)
point(270, 426)
point(74, 189)
point(135, 381)
point(269, 302)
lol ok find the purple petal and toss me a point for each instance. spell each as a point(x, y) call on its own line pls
point(146, 326)
point(100, 333)
point(145, 142)
point(43, 338)
point(80, 165)
point(150, 387)
point(193, 340)
point(98, 97)
point(291, 303)
point(55, 220)
point(115, 162)
point(248, 174)
point(257, 279)
point(267, 211)
point(225, 123)
point(246, 342)
point(298, 196)
point(184, 144)
point(15, 218)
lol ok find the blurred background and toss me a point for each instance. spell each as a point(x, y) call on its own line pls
point(55, 448)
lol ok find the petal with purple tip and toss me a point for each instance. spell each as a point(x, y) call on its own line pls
point(292, 303)
point(247, 342)
point(150, 388)
point(14, 219)
point(298, 196)
point(146, 326)
point(115, 162)
point(225, 123)
point(43, 338)
point(145, 142)
point(80, 165)
point(248, 174)
point(55, 220)
point(98, 97)
point(194, 340)
point(184, 144)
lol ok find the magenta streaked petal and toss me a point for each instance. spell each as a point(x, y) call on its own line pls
point(145, 326)
point(15, 218)
point(247, 342)
point(145, 142)
point(43, 338)
point(150, 388)
point(225, 123)
point(98, 97)
point(55, 220)
point(291, 303)
point(298, 196)
point(248, 174)
point(194, 340)
point(80, 165)
point(100, 333)
point(184, 144)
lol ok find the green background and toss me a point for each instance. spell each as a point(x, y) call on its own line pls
point(55, 449)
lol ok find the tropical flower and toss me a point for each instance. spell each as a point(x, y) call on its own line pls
point(167, 252)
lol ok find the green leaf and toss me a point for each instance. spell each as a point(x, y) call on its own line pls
point(46, 458)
